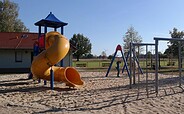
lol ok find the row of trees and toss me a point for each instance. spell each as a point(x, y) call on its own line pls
point(9, 22)
point(84, 46)
point(130, 36)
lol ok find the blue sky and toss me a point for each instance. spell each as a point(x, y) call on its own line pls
point(105, 22)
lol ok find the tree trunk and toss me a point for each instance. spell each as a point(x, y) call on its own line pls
point(77, 58)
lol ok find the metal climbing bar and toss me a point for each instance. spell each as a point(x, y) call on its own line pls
point(135, 60)
point(157, 39)
point(168, 39)
point(143, 44)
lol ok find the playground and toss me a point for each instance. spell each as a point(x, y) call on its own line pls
point(137, 83)
point(99, 95)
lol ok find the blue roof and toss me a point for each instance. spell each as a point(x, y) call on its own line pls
point(51, 21)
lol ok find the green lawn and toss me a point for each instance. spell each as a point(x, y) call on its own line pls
point(97, 64)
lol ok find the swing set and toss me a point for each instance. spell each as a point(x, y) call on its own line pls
point(132, 58)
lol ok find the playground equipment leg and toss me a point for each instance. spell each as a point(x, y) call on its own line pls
point(180, 63)
point(126, 59)
point(39, 80)
point(30, 76)
point(51, 79)
point(45, 82)
point(111, 64)
point(156, 66)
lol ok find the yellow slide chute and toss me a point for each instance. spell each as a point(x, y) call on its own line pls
point(57, 47)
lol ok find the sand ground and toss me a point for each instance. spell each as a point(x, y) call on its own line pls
point(100, 95)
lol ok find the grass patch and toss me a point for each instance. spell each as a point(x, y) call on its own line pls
point(97, 65)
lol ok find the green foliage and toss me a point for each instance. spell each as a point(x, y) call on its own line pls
point(149, 54)
point(89, 56)
point(172, 49)
point(131, 36)
point(82, 44)
point(103, 54)
point(9, 21)
point(110, 57)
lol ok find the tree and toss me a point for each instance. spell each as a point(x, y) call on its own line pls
point(89, 56)
point(131, 36)
point(9, 21)
point(110, 57)
point(172, 49)
point(82, 44)
point(149, 54)
point(103, 54)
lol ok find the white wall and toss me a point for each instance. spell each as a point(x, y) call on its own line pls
point(67, 61)
point(7, 59)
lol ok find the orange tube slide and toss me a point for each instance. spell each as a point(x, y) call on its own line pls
point(57, 46)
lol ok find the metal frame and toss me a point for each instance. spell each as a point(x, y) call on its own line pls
point(157, 39)
point(134, 56)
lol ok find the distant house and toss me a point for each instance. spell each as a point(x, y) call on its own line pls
point(16, 52)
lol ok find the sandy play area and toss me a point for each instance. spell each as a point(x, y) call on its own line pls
point(100, 95)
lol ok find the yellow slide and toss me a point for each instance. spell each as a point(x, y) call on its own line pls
point(57, 46)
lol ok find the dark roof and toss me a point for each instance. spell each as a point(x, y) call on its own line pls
point(51, 21)
point(17, 40)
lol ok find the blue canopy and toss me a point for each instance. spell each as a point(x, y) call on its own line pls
point(51, 21)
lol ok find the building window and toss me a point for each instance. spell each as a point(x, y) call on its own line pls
point(18, 56)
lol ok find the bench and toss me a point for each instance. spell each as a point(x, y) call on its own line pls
point(149, 64)
point(105, 64)
point(170, 63)
point(81, 65)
